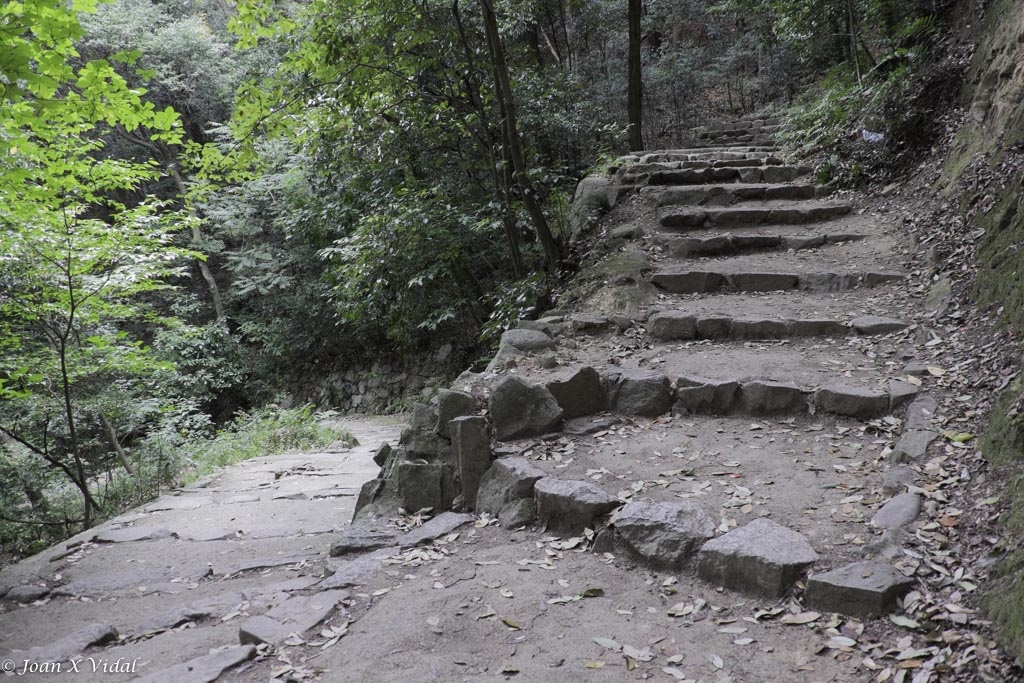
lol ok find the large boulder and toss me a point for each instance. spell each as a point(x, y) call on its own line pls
point(520, 409)
point(471, 445)
point(450, 405)
point(507, 480)
point(862, 589)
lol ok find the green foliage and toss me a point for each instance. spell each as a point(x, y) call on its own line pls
point(513, 301)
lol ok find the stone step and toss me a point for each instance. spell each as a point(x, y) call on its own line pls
point(684, 326)
point(728, 193)
point(705, 153)
point(625, 168)
point(727, 244)
point(740, 130)
point(767, 214)
point(759, 397)
point(722, 172)
point(710, 282)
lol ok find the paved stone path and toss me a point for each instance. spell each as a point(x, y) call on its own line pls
point(162, 585)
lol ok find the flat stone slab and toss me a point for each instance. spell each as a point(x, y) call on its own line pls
point(358, 539)
point(178, 503)
point(662, 535)
point(898, 512)
point(297, 614)
point(26, 593)
point(862, 589)
point(439, 526)
point(863, 404)
point(874, 324)
point(205, 669)
point(570, 506)
point(71, 645)
point(507, 480)
point(912, 445)
point(761, 558)
point(897, 479)
point(129, 534)
point(921, 412)
point(354, 572)
point(208, 534)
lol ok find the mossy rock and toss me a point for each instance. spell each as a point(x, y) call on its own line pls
point(1003, 442)
point(1004, 603)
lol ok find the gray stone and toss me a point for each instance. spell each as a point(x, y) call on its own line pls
point(547, 328)
point(450, 405)
point(689, 282)
point(355, 571)
point(588, 323)
point(762, 282)
point(129, 534)
point(628, 232)
point(912, 445)
point(921, 412)
point(361, 539)
point(581, 394)
point(862, 589)
point(527, 340)
point(423, 417)
point(798, 242)
point(368, 493)
point(262, 629)
point(569, 506)
point(471, 445)
point(863, 404)
point(297, 614)
point(874, 278)
point(761, 558)
point(639, 392)
point(518, 513)
point(547, 361)
point(873, 324)
point(818, 328)
point(583, 426)
point(701, 396)
point(765, 397)
point(26, 593)
point(508, 480)
point(205, 669)
point(761, 329)
point(898, 512)
point(439, 526)
point(208, 534)
point(519, 409)
point(425, 443)
point(829, 282)
point(672, 325)
point(897, 480)
point(425, 485)
point(916, 369)
point(714, 327)
point(380, 456)
point(900, 392)
point(71, 645)
point(662, 535)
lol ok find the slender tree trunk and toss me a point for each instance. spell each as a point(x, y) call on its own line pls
point(852, 20)
point(634, 97)
point(197, 237)
point(503, 86)
point(112, 435)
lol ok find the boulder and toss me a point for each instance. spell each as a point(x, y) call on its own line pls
point(672, 325)
point(762, 558)
point(425, 443)
point(380, 455)
point(519, 409)
point(518, 513)
point(898, 512)
point(897, 479)
point(662, 535)
point(570, 506)
point(450, 405)
point(471, 445)
point(581, 394)
point(861, 589)
point(508, 480)
point(698, 395)
point(425, 485)
point(527, 340)
point(639, 392)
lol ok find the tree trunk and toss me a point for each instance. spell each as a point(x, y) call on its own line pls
point(503, 86)
point(112, 435)
point(634, 97)
point(197, 237)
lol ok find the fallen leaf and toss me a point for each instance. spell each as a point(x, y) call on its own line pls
point(901, 620)
point(512, 624)
point(608, 643)
point(595, 665)
point(716, 661)
point(799, 619)
point(840, 642)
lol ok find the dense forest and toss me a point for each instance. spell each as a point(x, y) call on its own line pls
point(208, 207)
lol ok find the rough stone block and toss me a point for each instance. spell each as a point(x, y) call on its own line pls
point(912, 445)
point(425, 443)
point(829, 282)
point(797, 242)
point(439, 526)
point(714, 327)
point(818, 328)
point(662, 535)
point(380, 456)
point(763, 282)
point(639, 392)
point(361, 539)
point(527, 340)
point(471, 445)
point(921, 412)
point(518, 513)
point(900, 392)
point(765, 397)
point(862, 589)
point(569, 506)
point(684, 219)
point(703, 396)
point(508, 480)
point(756, 242)
point(863, 404)
point(519, 409)
point(450, 405)
point(671, 326)
point(761, 329)
point(761, 558)
point(581, 394)
point(737, 217)
point(689, 282)
point(425, 485)
point(205, 669)
point(588, 323)
point(897, 479)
